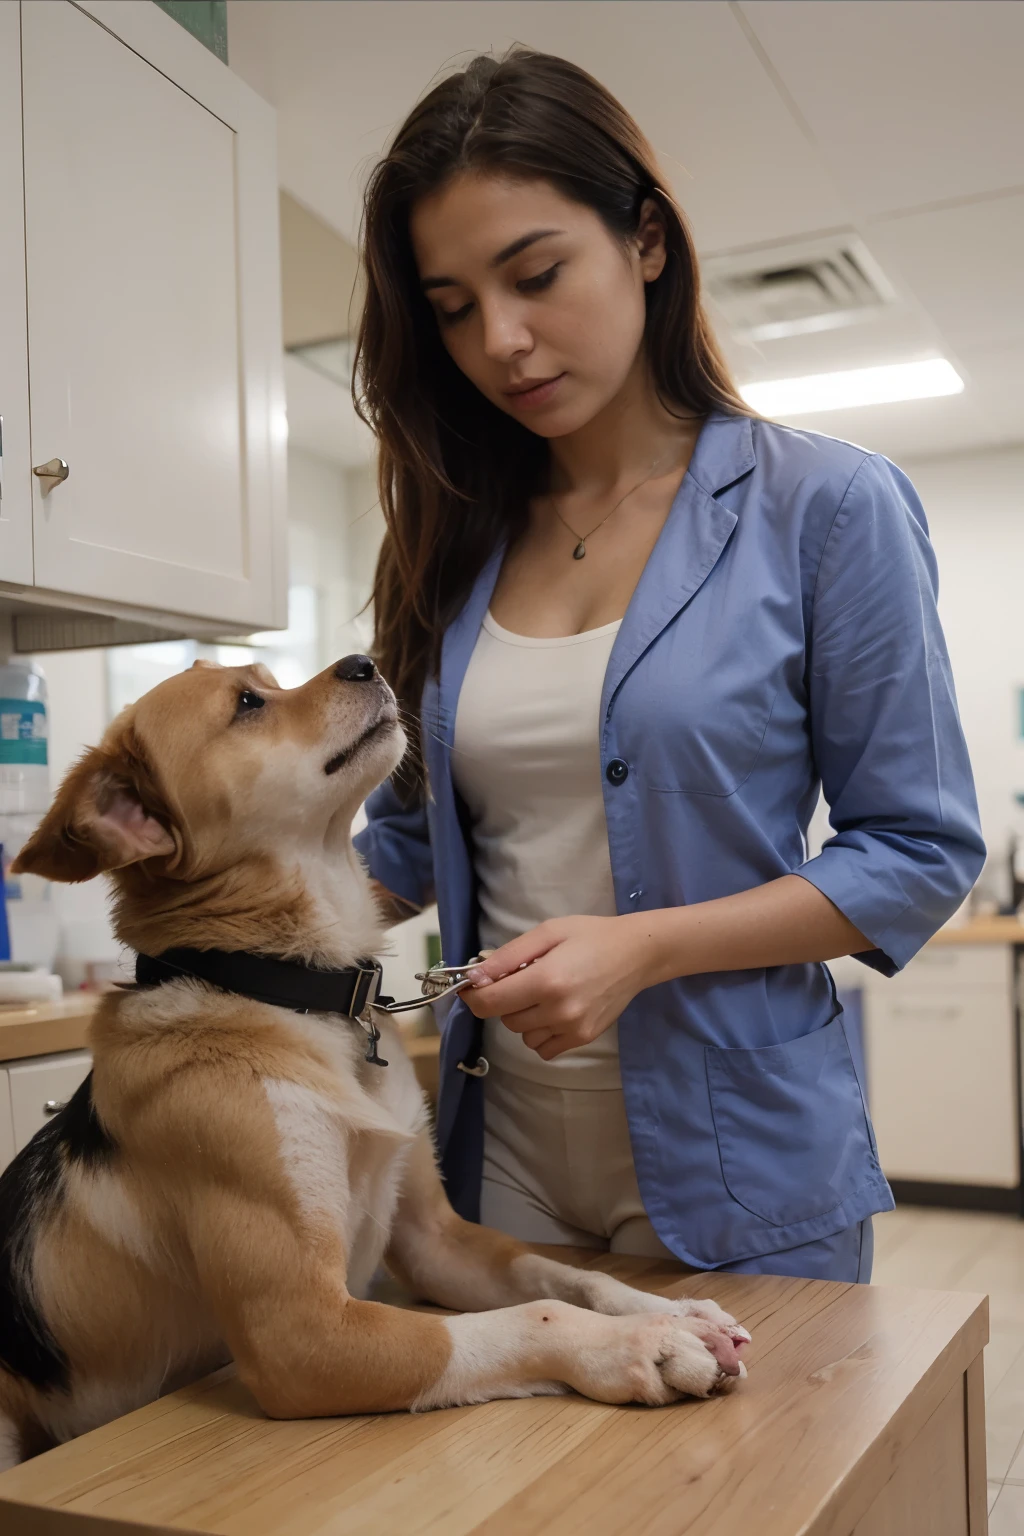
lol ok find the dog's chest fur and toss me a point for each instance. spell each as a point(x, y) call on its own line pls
point(344, 1146)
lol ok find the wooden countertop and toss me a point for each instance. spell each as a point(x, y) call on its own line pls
point(849, 1385)
point(983, 930)
point(38, 1029)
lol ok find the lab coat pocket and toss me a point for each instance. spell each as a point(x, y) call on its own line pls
point(792, 1130)
point(709, 746)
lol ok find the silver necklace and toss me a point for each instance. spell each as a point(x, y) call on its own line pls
point(581, 538)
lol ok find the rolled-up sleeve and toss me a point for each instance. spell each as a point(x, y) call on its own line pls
point(395, 844)
point(885, 729)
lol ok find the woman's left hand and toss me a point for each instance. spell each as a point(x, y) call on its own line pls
point(580, 972)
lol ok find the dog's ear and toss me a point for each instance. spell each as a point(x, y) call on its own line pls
point(105, 815)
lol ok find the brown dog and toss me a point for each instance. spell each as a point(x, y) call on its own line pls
point(229, 1178)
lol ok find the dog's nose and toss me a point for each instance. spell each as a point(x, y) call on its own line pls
point(355, 669)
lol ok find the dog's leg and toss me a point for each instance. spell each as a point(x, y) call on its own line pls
point(549, 1346)
point(361, 1357)
point(458, 1264)
point(306, 1348)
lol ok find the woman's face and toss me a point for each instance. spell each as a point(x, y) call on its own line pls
point(537, 303)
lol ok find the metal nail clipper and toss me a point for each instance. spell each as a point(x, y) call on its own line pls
point(440, 981)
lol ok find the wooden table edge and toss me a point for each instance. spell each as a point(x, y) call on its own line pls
point(51, 1520)
point(866, 1478)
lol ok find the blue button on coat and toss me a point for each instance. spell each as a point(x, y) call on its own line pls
point(783, 635)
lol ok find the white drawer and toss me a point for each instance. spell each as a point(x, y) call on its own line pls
point(40, 1082)
point(850, 974)
point(941, 1085)
point(937, 968)
point(7, 1147)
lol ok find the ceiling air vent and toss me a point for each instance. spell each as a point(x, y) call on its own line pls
point(786, 290)
point(333, 358)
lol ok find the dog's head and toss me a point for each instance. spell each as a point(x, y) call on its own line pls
point(218, 765)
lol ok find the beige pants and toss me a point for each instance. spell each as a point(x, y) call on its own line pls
point(558, 1168)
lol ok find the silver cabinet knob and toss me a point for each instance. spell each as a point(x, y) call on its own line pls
point(53, 469)
point(53, 1107)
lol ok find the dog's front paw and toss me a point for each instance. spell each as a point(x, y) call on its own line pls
point(710, 1312)
point(683, 1306)
point(614, 1299)
point(656, 1358)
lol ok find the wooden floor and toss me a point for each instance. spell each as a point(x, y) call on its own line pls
point(954, 1251)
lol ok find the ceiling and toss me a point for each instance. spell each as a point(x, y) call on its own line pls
point(901, 119)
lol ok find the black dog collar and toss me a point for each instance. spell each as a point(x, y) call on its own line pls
point(266, 979)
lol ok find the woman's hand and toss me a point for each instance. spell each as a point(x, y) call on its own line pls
point(563, 983)
point(580, 972)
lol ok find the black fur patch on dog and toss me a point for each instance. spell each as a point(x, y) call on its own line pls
point(32, 1188)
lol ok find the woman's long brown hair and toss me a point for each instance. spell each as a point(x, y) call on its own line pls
point(455, 474)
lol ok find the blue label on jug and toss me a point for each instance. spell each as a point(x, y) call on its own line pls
point(5, 935)
point(23, 732)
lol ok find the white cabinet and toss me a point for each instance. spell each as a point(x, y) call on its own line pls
point(39, 1086)
point(941, 1060)
point(15, 463)
point(153, 320)
point(7, 1147)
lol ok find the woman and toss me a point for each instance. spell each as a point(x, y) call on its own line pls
point(637, 627)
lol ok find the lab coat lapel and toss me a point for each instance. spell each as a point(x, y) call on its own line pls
point(457, 646)
point(696, 531)
point(456, 884)
point(440, 702)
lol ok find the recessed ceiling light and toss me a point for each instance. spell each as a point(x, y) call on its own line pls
point(854, 386)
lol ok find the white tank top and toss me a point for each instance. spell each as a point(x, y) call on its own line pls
point(527, 763)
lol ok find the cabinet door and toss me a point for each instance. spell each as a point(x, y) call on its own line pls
point(15, 495)
point(40, 1086)
point(153, 316)
point(940, 968)
point(7, 1147)
point(941, 1076)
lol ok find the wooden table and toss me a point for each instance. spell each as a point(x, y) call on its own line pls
point(863, 1415)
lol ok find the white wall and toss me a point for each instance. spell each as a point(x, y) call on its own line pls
point(975, 507)
point(365, 524)
point(77, 688)
point(334, 531)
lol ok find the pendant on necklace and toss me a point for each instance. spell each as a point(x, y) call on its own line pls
point(580, 550)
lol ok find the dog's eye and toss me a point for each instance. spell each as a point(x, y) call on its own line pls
point(247, 700)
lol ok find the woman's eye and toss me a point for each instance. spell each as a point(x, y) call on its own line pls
point(453, 316)
point(247, 700)
point(541, 281)
point(536, 284)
